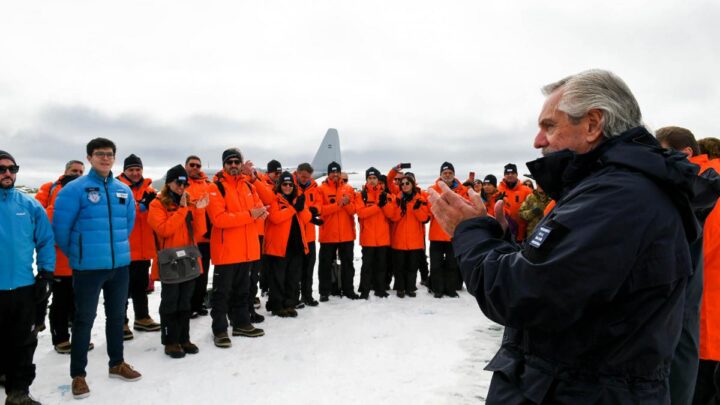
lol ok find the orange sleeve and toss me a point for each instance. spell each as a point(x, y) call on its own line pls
point(266, 195)
point(278, 216)
point(199, 223)
point(219, 216)
point(165, 223)
point(392, 187)
point(43, 195)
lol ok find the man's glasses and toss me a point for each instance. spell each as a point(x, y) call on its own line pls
point(231, 162)
point(100, 154)
point(195, 165)
point(12, 169)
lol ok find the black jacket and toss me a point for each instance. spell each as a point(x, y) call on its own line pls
point(594, 301)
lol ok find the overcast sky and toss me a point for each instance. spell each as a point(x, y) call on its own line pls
point(412, 81)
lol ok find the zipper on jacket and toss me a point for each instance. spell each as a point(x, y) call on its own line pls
point(112, 241)
point(81, 248)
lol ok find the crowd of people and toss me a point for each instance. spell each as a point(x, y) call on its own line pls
point(596, 271)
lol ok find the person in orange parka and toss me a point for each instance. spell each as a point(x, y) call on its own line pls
point(309, 188)
point(515, 194)
point(63, 302)
point(142, 246)
point(177, 221)
point(410, 212)
point(285, 246)
point(269, 179)
point(444, 272)
point(199, 187)
point(337, 233)
point(234, 246)
point(374, 208)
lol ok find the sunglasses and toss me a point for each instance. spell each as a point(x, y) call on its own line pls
point(288, 184)
point(405, 183)
point(231, 162)
point(195, 165)
point(12, 169)
point(181, 183)
point(108, 155)
point(344, 180)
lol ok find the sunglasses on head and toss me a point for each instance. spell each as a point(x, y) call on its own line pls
point(231, 162)
point(12, 169)
point(195, 165)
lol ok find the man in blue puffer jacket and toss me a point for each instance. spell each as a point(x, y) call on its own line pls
point(24, 229)
point(93, 218)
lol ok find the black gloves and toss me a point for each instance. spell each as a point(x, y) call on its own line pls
point(147, 198)
point(314, 211)
point(316, 221)
point(67, 179)
point(315, 216)
point(417, 204)
point(299, 203)
point(43, 285)
point(501, 196)
point(382, 200)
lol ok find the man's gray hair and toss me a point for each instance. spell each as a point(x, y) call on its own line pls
point(72, 162)
point(602, 90)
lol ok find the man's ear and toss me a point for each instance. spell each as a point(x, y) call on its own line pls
point(594, 126)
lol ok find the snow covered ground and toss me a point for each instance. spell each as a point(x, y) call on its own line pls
point(399, 351)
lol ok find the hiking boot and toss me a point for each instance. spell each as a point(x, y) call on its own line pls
point(381, 294)
point(124, 372)
point(324, 298)
point(311, 302)
point(175, 351)
point(247, 331)
point(411, 294)
point(66, 347)
point(203, 311)
point(438, 295)
point(146, 325)
point(127, 333)
point(401, 294)
point(300, 305)
point(282, 313)
point(352, 296)
point(365, 295)
point(256, 318)
point(222, 340)
point(190, 348)
point(256, 303)
point(452, 294)
point(291, 312)
point(80, 388)
point(20, 398)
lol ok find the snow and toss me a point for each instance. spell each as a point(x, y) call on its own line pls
point(419, 350)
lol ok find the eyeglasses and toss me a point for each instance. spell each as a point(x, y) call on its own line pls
point(100, 154)
point(12, 169)
point(195, 165)
point(344, 180)
point(405, 183)
point(235, 162)
point(288, 184)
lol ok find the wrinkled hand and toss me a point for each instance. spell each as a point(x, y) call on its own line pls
point(345, 200)
point(450, 209)
point(184, 200)
point(259, 212)
point(248, 169)
point(202, 202)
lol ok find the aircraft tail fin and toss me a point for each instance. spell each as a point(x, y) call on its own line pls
point(328, 151)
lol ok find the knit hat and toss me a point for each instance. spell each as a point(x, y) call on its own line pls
point(334, 167)
point(274, 166)
point(372, 172)
point(491, 180)
point(411, 175)
point(231, 153)
point(510, 168)
point(447, 166)
point(176, 173)
point(286, 177)
point(6, 155)
point(132, 161)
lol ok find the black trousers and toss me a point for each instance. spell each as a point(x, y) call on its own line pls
point(200, 290)
point(137, 288)
point(389, 271)
point(327, 252)
point(231, 283)
point(175, 311)
point(444, 268)
point(423, 266)
point(307, 271)
point(707, 387)
point(405, 265)
point(61, 309)
point(374, 266)
point(17, 342)
point(284, 279)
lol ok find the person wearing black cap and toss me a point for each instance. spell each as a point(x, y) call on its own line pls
point(337, 233)
point(309, 188)
point(490, 194)
point(374, 209)
point(142, 246)
point(259, 272)
point(177, 221)
point(285, 246)
point(24, 231)
point(514, 194)
point(445, 276)
point(234, 246)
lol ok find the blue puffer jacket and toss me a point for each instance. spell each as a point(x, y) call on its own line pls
point(24, 227)
point(92, 222)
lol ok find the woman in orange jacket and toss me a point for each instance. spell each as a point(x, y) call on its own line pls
point(285, 246)
point(408, 238)
point(171, 216)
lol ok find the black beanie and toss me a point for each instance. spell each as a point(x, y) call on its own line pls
point(333, 167)
point(510, 168)
point(5, 155)
point(274, 166)
point(176, 173)
point(285, 177)
point(132, 161)
point(231, 153)
point(372, 172)
point(490, 179)
point(447, 166)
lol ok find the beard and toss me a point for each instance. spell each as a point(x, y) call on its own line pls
point(5, 185)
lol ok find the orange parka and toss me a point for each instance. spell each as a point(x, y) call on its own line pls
point(197, 189)
point(170, 227)
point(437, 234)
point(234, 236)
point(409, 230)
point(374, 221)
point(312, 199)
point(339, 222)
point(46, 196)
point(142, 245)
point(279, 225)
point(514, 197)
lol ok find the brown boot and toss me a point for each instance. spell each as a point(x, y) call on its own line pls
point(125, 372)
point(127, 333)
point(80, 388)
point(175, 351)
point(146, 325)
